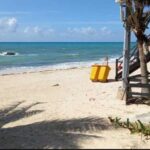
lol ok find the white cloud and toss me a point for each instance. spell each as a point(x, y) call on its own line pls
point(31, 30)
point(83, 30)
point(40, 33)
point(105, 30)
point(27, 30)
point(50, 30)
point(8, 24)
point(90, 31)
point(38, 30)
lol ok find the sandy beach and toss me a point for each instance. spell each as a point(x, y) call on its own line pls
point(64, 109)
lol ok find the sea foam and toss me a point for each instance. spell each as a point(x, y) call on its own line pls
point(61, 66)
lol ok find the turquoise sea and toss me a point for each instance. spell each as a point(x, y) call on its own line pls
point(55, 55)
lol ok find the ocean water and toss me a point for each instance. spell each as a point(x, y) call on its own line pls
point(42, 56)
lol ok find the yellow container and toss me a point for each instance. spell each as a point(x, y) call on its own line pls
point(103, 74)
point(95, 72)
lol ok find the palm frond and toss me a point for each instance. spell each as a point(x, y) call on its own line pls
point(146, 2)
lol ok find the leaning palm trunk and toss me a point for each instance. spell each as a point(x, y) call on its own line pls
point(144, 72)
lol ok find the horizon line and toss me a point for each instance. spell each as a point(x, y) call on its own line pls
point(63, 41)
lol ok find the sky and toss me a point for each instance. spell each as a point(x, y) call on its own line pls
point(60, 21)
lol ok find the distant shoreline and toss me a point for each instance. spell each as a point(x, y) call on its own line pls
point(22, 70)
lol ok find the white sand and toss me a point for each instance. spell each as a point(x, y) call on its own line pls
point(71, 115)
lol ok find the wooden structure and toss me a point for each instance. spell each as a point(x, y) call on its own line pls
point(134, 82)
point(134, 63)
point(129, 62)
point(124, 12)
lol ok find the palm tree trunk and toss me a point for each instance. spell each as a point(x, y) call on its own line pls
point(144, 71)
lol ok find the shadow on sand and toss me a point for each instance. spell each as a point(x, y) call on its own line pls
point(56, 134)
point(138, 101)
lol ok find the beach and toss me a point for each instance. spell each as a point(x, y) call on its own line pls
point(53, 55)
point(64, 109)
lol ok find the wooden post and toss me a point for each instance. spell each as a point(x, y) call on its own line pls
point(116, 78)
point(126, 55)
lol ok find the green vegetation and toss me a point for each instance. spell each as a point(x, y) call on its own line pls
point(136, 127)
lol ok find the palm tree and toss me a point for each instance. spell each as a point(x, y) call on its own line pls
point(138, 20)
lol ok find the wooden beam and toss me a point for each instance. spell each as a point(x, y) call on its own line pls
point(116, 78)
point(139, 85)
point(138, 94)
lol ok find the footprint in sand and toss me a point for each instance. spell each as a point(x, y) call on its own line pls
point(92, 99)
